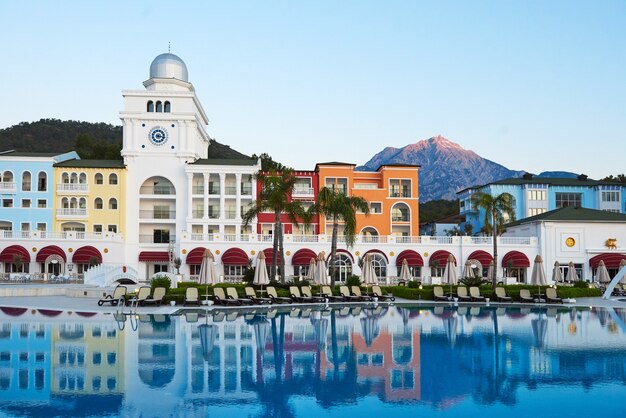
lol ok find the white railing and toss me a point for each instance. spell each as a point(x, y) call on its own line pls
point(106, 274)
point(305, 238)
point(266, 238)
point(515, 240)
point(408, 240)
point(481, 240)
point(302, 191)
point(69, 235)
point(72, 187)
point(372, 239)
point(7, 186)
point(236, 237)
point(72, 212)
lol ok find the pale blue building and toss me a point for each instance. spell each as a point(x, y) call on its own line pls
point(535, 195)
point(26, 191)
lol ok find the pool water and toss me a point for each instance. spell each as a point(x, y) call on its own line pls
point(364, 361)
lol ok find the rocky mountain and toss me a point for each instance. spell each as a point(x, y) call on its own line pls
point(446, 167)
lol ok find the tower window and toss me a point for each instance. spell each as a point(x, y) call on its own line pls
point(167, 107)
point(150, 106)
point(159, 106)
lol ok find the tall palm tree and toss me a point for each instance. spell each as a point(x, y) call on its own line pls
point(275, 197)
point(495, 208)
point(336, 205)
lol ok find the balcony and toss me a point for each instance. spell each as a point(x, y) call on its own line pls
point(398, 194)
point(72, 188)
point(157, 190)
point(156, 239)
point(72, 213)
point(7, 187)
point(246, 190)
point(230, 190)
point(214, 190)
point(197, 213)
point(197, 189)
point(300, 191)
point(157, 214)
point(400, 218)
point(58, 236)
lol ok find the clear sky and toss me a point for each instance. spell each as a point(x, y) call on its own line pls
point(534, 85)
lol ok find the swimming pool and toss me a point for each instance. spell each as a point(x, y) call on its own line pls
point(306, 362)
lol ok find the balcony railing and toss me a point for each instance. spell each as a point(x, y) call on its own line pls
point(400, 219)
point(157, 214)
point(197, 189)
point(214, 190)
point(246, 189)
point(158, 190)
point(408, 240)
point(72, 187)
point(72, 213)
point(197, 213)
point(231, 190)
point(151, 239)
point(237, 237)
point(302, 191)
point(515, 240)
point(305, 238)
point(7, 186)
point(371, 239)
point(70, 235)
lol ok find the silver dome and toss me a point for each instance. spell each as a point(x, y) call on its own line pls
point(168, 66)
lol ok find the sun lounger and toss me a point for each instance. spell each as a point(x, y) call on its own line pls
point(191, 317)
point(251, 294)
point(139, 300)
point(347, 296)
point(461, 293)
point(552, 297)
point(114, 298)
point(271, 292)
point(328, 293)
point(219, 297)
point(356, 291)
point(296, 296)
point(379, 294)
point(191, 296)
point(158, 297)
point(475, 294)
point(439, 295)
point(501, 295)
point(306, 292)
point(231, 294)
point(524, 296)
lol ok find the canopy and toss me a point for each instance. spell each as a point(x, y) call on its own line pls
point(6, 256)
point(195, 256)
point(235, 257)
point(154, 256)
point(440, 256)
point(46, 252)
point(84, 254)
point(412, 258)
point(516, 258)
point(302, 257)
point(483, 257)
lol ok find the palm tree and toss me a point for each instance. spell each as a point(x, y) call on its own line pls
point(495, 208)
point(336, 205)
point(275, 197)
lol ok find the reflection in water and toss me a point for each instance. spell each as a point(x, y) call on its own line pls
point(274, 362)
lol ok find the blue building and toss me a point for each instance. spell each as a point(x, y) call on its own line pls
point(536, 195)
point(26, 182)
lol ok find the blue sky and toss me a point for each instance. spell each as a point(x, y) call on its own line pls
point(533, 85)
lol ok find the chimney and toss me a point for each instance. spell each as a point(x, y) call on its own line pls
point(582, 177)
point(527, 176)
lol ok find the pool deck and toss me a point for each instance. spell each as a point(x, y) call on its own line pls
point(82, 299)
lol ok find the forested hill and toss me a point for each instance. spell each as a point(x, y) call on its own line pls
point(54, 135)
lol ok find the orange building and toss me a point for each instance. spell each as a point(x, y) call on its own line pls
point(392, 192)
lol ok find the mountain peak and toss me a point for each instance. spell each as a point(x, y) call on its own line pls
point(438, 141)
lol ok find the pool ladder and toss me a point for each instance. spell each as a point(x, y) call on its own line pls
point(121, 315)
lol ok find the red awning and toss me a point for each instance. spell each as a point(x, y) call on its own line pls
point(195, 256)
point(235, 257)
point(611, 260)
point(46, 252)
point(483, 257)
point(269, 254)
point(441, 256)
point(50, 312)
point(154, 256)
point(341, 251)
point(13, 311)
point(6, 256)
point(303, 257)
point(516, 258)
point(413, 258)
point(377, 252)
point(84, 254)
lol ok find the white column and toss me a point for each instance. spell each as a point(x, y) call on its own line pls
point(222, 193)
point(238, 197)
point(189, 198)
point(205, 197)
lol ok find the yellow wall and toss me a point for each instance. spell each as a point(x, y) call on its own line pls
point(381, 193)
point(104, 191)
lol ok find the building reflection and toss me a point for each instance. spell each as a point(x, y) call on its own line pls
point(435, 357)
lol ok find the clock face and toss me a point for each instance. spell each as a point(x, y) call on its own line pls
point(158, 135)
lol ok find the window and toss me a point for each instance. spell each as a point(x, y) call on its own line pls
point(161, 236)
point(97, 229)
point(376, 207)
point(150, 107)
point(25, 227)
point(41, 227)
point(99, 178)
point(113, 179)
point(42, 182)
point(97, 203)
point(167, 107)
point(161, 212)
point(536, 211)
point(113, 203)
point(113, 228)
point(536, 195)
point(159, 107)
point(26, 181)
point(42, 203)
point(7, 203)
point(399, 188)
point(25, 203)
point(610, 196)
point(337, 184)
point(569, 200)
point(400, 213)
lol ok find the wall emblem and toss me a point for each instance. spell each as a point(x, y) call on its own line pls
point(611, 243)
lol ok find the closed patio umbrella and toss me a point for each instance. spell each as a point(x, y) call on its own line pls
point(622, 264)
point(572, 275)
point(468, 271)
point(449, 273)
point(405, 272)
point(538, 276)
point(603, 274)
point(490, 270)
point(320, 326)
point(450, 325)
point(540, 329)
point(311, 273)
point(208, 274)
point(557, 275)
point(369, 275)
point(369, 325)
point(260, 274)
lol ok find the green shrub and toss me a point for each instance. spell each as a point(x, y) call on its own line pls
point(581, 284)
point(472, 281)
point(413, 284)
point(353, 281)
point(248, 275)
point(161, 281)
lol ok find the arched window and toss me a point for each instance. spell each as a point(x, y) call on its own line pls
point(380, 265)
point(400, 213)
point(99, 178)
point(167, 107)
point(26, 181)
point(42, 182)
point(113, 203)
point(113, 178)
point(65, 178)
point(65, 204)
point(73, 203)
point(343, 267)
point(159, 106)
point(7, 177)
point(82, 203)
point(97, 203)
point(73, 178)
point(82, 178)
point(150, 106)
